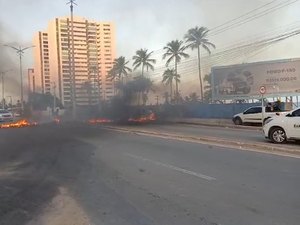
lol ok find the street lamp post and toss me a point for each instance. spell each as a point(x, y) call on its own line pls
point(3, 99)
point(54, 98)
point(20, 51)
point(72, 63)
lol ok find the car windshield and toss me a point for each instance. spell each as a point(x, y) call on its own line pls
point(154, 112)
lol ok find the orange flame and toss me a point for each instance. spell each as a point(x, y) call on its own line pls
point(56, 120)
point(18, 124)
point(99, 121)
point(143, 119)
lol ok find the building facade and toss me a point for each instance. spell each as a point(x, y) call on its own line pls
point(94, 52)
point(31, 81)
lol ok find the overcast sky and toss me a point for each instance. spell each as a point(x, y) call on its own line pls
point(151, 24)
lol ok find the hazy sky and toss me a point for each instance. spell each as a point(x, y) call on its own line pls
point(151, 24)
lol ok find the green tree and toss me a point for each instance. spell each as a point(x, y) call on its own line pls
point(175, 50)
point(192, 97)
point(142, 58)
point(120, 69)
point(197, 38)
point(41, 101)
point(207, 88)
point(136, 89)
point(168, 76)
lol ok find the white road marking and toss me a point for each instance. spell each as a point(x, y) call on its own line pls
point(178, 169)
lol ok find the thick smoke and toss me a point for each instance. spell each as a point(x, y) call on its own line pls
point(8, 62)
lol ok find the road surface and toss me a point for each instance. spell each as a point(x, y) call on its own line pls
point(76, 174)
point(251, 135)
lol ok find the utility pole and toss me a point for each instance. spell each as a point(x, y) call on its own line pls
point(72, 69)
point(157, 98)
point(3, 87)
point(20, 51)
point(54, 97)
point(3, 99)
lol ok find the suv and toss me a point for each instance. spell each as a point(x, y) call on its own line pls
point(282, 128)
point(253, 115)
point(6, 116)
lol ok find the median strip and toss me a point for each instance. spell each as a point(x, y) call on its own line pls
point(235, 144)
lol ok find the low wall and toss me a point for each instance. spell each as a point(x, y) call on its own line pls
point(200, 110)
point(218, 111)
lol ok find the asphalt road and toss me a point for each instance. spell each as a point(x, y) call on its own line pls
point(255, 134)
point(122, 178)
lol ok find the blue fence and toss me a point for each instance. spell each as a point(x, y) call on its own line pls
point(217, 111)
point(200, 110)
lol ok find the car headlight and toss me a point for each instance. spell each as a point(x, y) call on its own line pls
point(267, 121)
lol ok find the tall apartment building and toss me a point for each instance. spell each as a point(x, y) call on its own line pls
point(94, 52)
point(31, 81)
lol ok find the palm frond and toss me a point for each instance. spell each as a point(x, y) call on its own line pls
point(206, 48)
point(170, 60)
point(185, 55)
point(136, 65)
point(210, 44)
point(148, 65)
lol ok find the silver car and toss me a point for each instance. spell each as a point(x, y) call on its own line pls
point(6, 116)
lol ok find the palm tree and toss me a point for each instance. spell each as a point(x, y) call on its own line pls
point(175, 51)
point(168, 76)
point(196, 38)
point(142, 58)
point(120, 68)
point(166, 97)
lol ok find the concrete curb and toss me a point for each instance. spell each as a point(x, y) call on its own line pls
point(254, 146)
point(215, 125)
point(222, 125)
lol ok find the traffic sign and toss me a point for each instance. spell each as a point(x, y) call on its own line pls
point(262, 90)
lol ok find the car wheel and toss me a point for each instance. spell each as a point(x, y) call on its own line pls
point(238, 121)
point(277, 135)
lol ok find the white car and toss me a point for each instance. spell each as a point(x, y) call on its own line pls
point(282, 128)
point(6, 116)
point(253, 115)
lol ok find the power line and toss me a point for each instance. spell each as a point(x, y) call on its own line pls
point(248, 13)
point(246, 50)
point(238, 45)
point(253, 17)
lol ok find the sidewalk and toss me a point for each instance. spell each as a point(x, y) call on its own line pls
point(211, 122)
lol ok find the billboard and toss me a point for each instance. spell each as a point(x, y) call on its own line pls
point(280, 78)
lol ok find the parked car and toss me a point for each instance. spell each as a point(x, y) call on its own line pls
point(254, 115)
point(6, 116)
point(282, 128)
